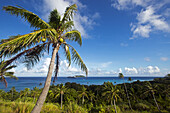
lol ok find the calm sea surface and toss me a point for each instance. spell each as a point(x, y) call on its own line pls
point(30, 82)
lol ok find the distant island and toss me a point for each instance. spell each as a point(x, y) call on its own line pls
point(76, 76)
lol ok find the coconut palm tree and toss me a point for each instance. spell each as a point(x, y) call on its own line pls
point(121, 76)
point(151, 89)
point(35, 93)
point(4, 72)
point(25, 93)
point(83, 93)
point(60, 91)
point(91, 95)
point(53, 34)
point(111, 92)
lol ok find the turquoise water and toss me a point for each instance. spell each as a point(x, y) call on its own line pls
point(30, 82)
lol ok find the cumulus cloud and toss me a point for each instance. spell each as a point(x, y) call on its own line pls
point(148, 20)
point(152, 17)
point(131, 71)
point(164, 58)
point(82, 22)
point(149, 70)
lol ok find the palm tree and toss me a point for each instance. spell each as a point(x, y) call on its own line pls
point(83, 93)
point(121, 76)
point(25, 93)
point(151, 90)
point(60, 91)
point(91, 95)
point(111, 93)
point(12, 91)
point(31, 46)
point(35, 93)
point(4, 72)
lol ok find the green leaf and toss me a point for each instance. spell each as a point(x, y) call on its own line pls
point(32, 18)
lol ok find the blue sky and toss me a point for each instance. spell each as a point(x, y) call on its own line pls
point(128, 36)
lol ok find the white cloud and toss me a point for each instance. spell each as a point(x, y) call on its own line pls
point(147, 59)
point(149, 70)
point(131, 71)
point(82, 22)
point(152, 17)
point(164, 58)
point(149, 21)
point(128, 4)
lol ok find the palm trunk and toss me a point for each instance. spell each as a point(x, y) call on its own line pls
point(111, 103)
point(12, 94)
point(115, 106)
point(83, 99)
point(42, 97)
point(127, 94)
point(61, 100)
point(156, 102)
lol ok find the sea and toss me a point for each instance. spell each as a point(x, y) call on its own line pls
point(31, 82)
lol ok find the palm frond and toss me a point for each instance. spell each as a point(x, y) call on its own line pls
point(10, 67)
point(25, 41)
point(73, 35)
point(54, 19)
point(23, 53)
point(67, 54)
point(32, 57)
point(11, 75)
point(78, 60)
point(67, 26)
point(3, 80)
point(32, 18)
point(68, 15)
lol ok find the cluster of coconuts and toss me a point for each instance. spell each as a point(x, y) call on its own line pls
point(60, 40)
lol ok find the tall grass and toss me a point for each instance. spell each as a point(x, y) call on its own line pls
point(26, 107)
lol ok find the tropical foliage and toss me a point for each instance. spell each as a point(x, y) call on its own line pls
point(99, 98)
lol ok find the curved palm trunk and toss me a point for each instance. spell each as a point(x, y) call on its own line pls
point(127, 94)
point(115, 106)
point(156, 102)
point(61, 100)
point(42, 97)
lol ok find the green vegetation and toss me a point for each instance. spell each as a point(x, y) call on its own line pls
point(31, 47)
point(145, 97)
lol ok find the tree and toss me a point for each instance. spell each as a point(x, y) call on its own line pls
point(91, 95)
point(60, 91)
point(31, 46)
point(4, 72)
point(25, 93)
point(121, 76)
point(83, 93)
point(35, 93)
point(111, 92)
point(151, 90)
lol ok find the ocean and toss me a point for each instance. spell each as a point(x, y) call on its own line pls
point(30, 82)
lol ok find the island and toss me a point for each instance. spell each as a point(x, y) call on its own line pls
point(76, 76)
